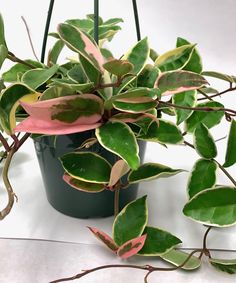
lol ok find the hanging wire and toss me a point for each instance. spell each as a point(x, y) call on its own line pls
point(45, 37)
point(135, 8)
point(96, 20)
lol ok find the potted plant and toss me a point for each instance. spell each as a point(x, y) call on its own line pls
point(108, 107)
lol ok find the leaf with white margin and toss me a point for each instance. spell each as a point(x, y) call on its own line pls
point(151, 171)
point(131, 221)
point(118, 138)
point(119, 169)
point(177, 258)
point(213, 207)
point(158, 242)
point(225, 265)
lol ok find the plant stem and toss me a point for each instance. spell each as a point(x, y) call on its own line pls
point(30, 40)
point(205, 109)
point(148, 268)
point(8, 186)
point(226, 173)
point(4, 143)
point(45, 37)
point(15, 59)
point(218, 94)
point(205, 249)
point(117, 202)
point(220, 166)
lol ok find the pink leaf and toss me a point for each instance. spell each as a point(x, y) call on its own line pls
point(132, 247)
point(119, 169)
point(107, 240)
point(44, 110)
point(37, 126)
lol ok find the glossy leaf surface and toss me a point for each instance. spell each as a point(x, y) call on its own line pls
point(131, 221)
point(195, 62)
point(209, 119)
point(202, 177)
point(83, 186)
point(230, 158)
point(150, 171)
point(118, 67)
point(79, 42)
point(148, 76)
point(204, 142)
point(2, 33)
point(118, 138)
point(225, 265)
point(219, 76)
point(165, 132)
point(137, 56)
point(215, 207)
point(177, 258)
point(86, 166)
point(132, 247)
point(119, 169)
point(9, 102)
point(3, 54)
point(36, 77)
point(106, 239)
point(158, 242)
point(179, 81)
point(186, 98)
point(175, 59)
point(55, 52)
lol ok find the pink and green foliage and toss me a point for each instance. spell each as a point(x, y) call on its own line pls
point(63, 115)
point(131, 234)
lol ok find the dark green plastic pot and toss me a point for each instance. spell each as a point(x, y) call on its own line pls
point(66, 199)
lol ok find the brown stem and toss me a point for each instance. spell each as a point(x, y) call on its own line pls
point(218, 94)
point(23, 139)
point(13, 58)
point(205, 109)
point(11, 195)
point(204, 94)
point(226, 173)
point(220, 166)
point(148, 268)
point(205, 249)
point(4, 143)
point(117, 202)
point(30, 40)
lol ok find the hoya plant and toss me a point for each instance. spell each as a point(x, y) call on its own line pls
point(141, 96)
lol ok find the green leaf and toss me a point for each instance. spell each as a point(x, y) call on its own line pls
point(209, 119)
point(55, 52)
point(177, 258)
point(2, 35)
point(106, 53)
point(72, 86)
point(150, 171)
point(219, 76)
point(225, 265)
point(3, 54)
point(158, 242)
point(77, 41)
point(77, 74)
point(84, 24)
point(214, 207)
point(178, 81)
point(204, 142)
point(9, 102)
point(13, 73)
point(135, 104)
point(230, 158)
point(175, 59)
point(148, 76)
point(118, 67)
point(131, 221)
point(83, 186)
point(56, 91)
point(165, 132)
point(202, 177)
point(195, 62)
point(36, 77)
point(153, 55)
point(137, 56)
point(186, 98)
point(87, 166)
point(118, 138)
